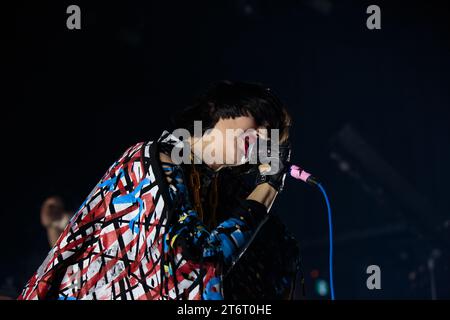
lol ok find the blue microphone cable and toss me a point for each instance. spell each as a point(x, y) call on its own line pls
point(330, 235)
point(300, 174)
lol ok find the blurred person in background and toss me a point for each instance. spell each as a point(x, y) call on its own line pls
point(54, 217)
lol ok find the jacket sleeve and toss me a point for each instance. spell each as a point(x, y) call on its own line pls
point(226, 241)
point(214, 250)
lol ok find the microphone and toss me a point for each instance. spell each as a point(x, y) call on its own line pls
point(298, 173)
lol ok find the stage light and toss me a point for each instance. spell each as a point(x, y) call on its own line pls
point(321, 287)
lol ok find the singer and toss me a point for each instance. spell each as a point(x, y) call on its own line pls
point(156, 229)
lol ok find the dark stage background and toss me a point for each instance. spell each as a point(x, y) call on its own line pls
point(371, 112)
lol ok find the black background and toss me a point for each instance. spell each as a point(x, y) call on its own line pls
point(81, 97)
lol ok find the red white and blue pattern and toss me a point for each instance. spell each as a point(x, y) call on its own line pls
point(113, 247)
point(119, 244)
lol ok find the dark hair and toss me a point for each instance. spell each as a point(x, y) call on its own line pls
point(226, 99)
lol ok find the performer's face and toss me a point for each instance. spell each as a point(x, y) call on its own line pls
point(232, 148)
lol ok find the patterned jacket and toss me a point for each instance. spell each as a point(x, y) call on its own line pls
point(136, 236)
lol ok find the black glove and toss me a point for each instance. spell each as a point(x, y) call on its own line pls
point(276, 180)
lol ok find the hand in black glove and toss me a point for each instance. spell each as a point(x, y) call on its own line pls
point(276, 179)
